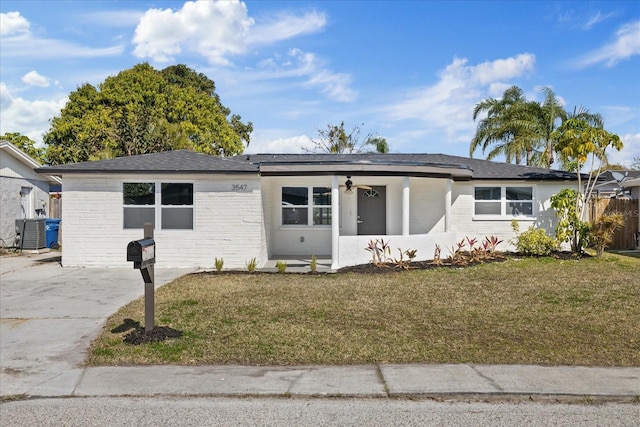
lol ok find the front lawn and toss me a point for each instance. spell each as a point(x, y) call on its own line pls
point(521, 311)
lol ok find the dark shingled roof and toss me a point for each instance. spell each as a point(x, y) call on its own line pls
point(482, 169)
point(165, 162)
point(184, 161)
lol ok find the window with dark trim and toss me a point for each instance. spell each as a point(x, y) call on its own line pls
point(300, 209)
point(139, 204)
point(503, 201)
point(169, 203)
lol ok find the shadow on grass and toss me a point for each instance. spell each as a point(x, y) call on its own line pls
point(125, 326)
point(629, 253)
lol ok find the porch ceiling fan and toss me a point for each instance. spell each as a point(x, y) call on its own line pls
point(349, 185)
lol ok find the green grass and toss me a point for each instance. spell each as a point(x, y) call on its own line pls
point(527, 311)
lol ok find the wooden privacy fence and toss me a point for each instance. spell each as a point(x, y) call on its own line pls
point(625, 237)
point(55, 207)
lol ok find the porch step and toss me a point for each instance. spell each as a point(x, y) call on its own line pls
point(298, 264)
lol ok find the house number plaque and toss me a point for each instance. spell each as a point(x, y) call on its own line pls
point(239, 187)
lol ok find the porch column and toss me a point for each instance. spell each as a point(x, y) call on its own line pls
point(335, 223)
point(447, 207)
point(406, 206)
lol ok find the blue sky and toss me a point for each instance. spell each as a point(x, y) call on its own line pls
point(410, 71)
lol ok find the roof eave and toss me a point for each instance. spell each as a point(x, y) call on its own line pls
point(356, 168)
point(61, 172)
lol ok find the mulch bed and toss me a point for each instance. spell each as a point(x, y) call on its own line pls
point(391, 267)
point(461, 263)
point(157, 334)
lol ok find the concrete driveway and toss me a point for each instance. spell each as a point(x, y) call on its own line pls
point(49, 315)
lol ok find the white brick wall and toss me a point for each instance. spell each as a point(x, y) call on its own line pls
point(238, 226)
point(465, 224)
point(227, 224)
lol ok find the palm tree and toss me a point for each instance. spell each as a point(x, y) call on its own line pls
point(510, 125)
point(550, 115)
point(519, 128)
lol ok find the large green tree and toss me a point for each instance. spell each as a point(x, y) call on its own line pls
point(26, 144)
point(143, 110)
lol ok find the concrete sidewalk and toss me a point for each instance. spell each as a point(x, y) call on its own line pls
point(50, 314)
point(362, 381)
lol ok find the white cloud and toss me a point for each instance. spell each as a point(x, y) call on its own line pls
point(215, 30)
point(291, 145)
point(33, 78)
point(617, 115)
point(293, 72)
point(596, 19)
point(27, 117)
point(626, 45)
point(334, 85)
point(501, 69)
point(630, 150)
point(286, 26)
point(50, 48)
point(13, 24)
point(17, 41)
point(447, 106)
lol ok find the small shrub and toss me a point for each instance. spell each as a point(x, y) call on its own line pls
point(379, 250)
point(405, 263)
point(219, 263)
point(456, 252)
point(491, 243)
point(436, 255)
point(281, 266)
point(252, 264)
point(313, 266)
point(603, 229)
point(534, 241)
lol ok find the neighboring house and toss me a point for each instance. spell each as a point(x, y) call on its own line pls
point(634, 186)
point(610, 183)
point(24, 193)
point(277, 205)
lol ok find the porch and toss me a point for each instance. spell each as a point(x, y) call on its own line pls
point(335, 217)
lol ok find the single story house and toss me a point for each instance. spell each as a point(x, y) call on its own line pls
point(270, 206)
point(24, 193)
point(610, 183)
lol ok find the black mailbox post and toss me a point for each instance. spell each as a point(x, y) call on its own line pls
point(143, 255)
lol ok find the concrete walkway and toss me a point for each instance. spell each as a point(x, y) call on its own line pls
point(50, 314)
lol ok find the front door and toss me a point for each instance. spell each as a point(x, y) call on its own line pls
point(372, 211)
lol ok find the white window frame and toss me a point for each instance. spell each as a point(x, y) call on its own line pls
point(158, 206)
point(504, 214)
point(310, 206)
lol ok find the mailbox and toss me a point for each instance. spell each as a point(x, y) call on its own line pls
point(142, 252)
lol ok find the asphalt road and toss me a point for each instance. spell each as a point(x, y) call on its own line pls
point(164, 411)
